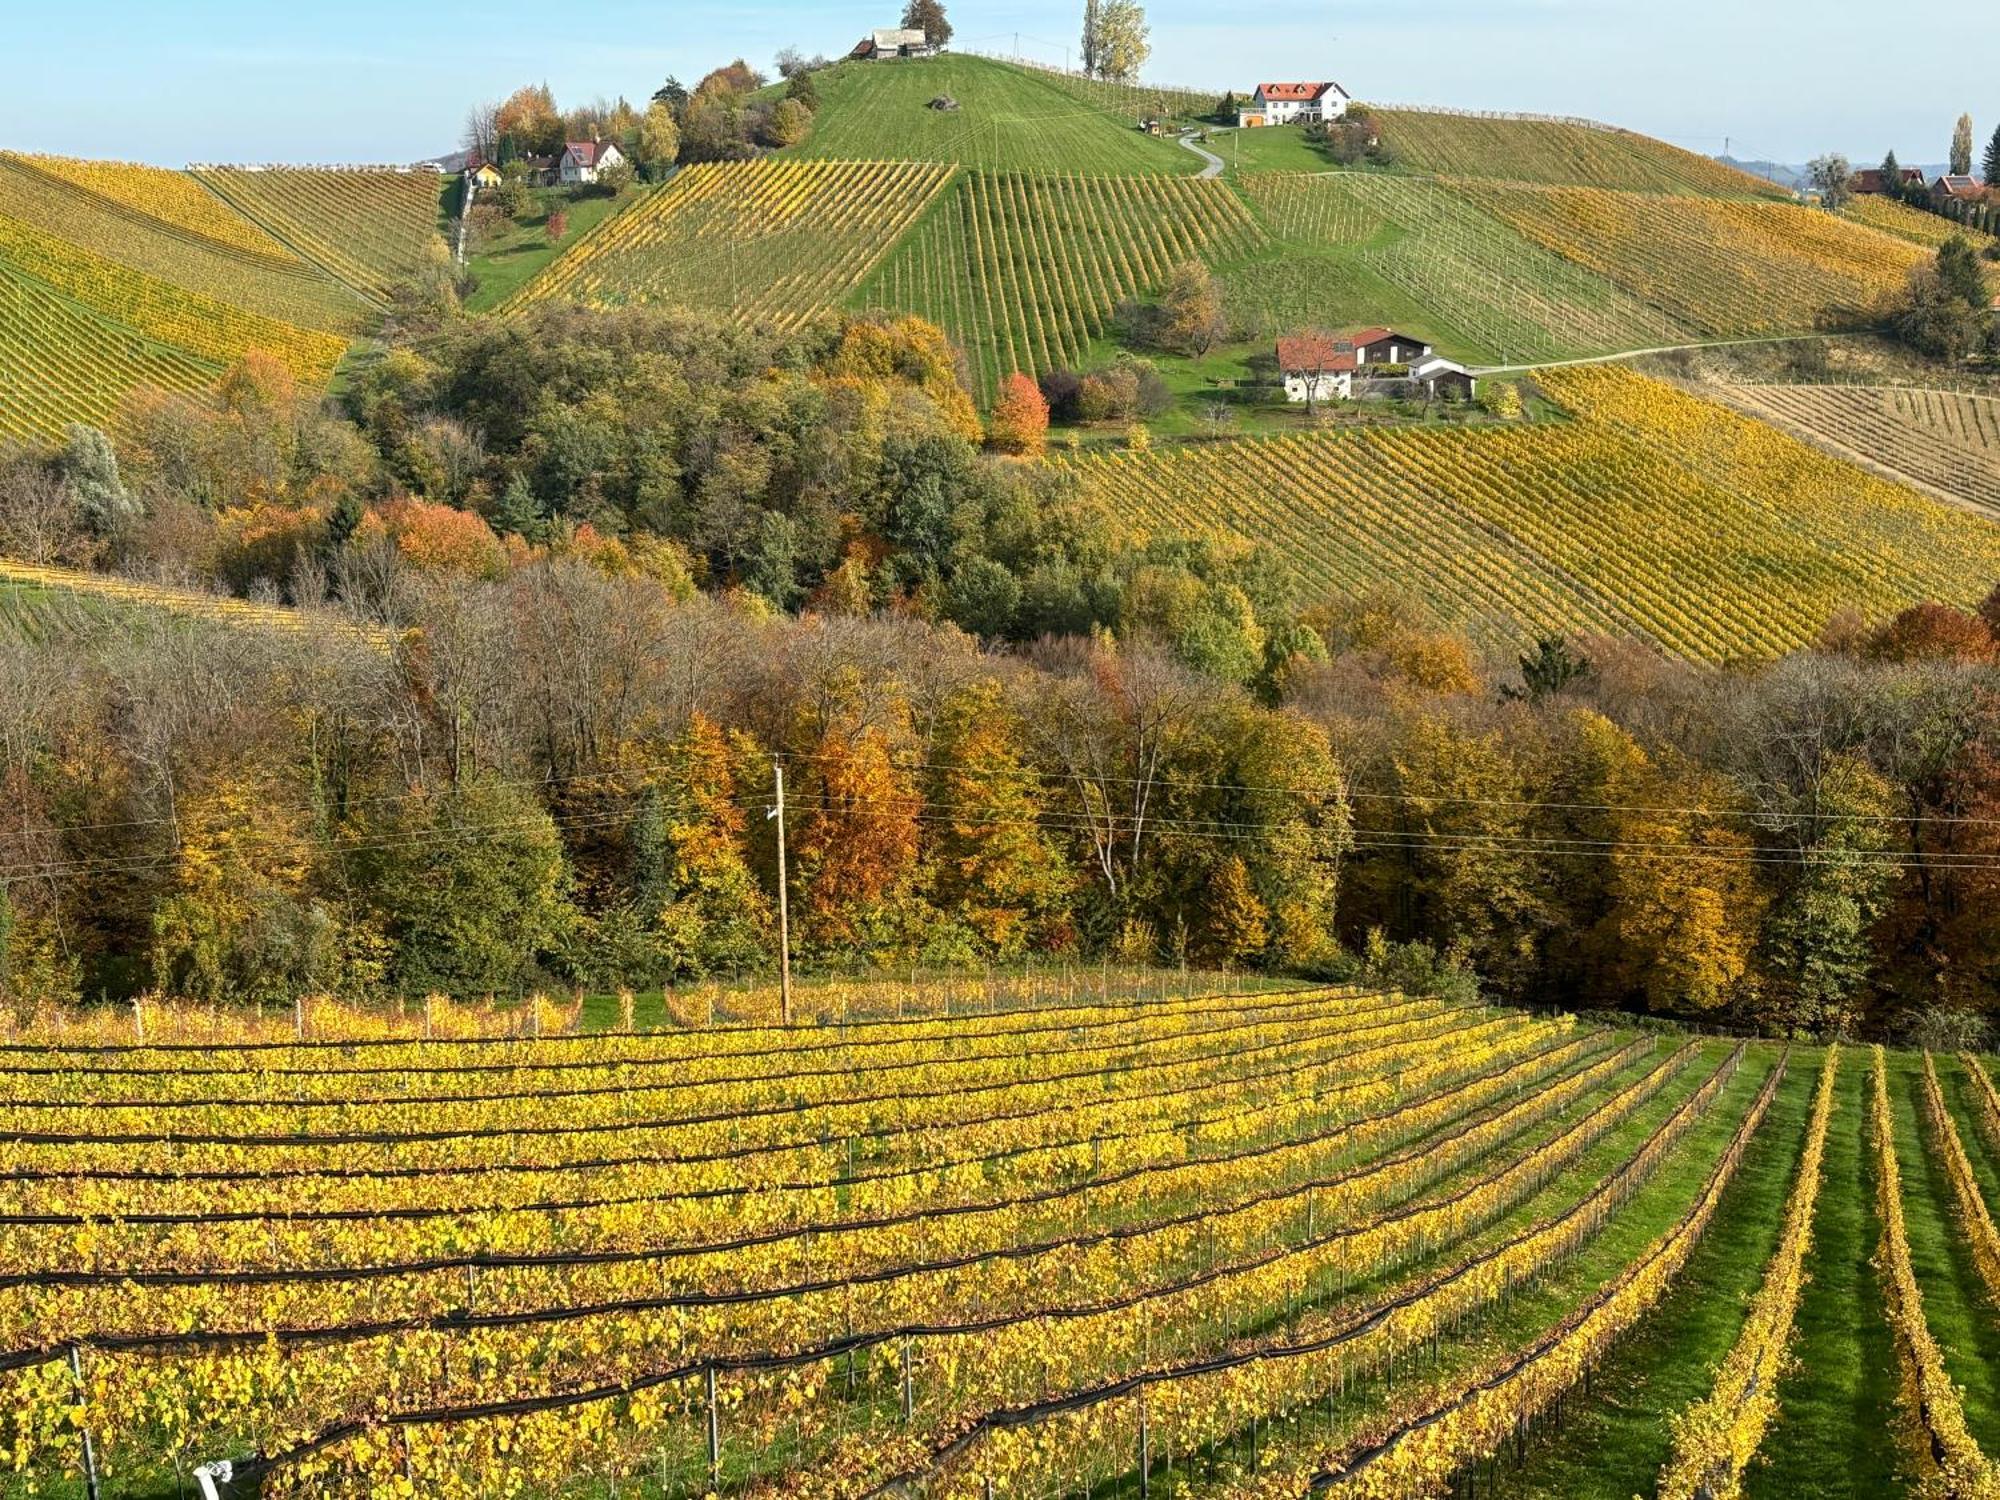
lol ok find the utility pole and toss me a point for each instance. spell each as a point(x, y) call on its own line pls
point(784, 904)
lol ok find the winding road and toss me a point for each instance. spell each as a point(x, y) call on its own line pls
point(1214, 167)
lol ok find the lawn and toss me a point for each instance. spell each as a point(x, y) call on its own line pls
point(1008, 120)
point(506, 262)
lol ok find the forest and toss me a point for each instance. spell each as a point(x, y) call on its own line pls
point(575, 584)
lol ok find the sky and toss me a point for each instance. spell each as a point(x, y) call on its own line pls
point(373, 81)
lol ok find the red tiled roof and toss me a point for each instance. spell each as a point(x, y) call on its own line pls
point(1959, 187)
point(1303, 92)
point(586, 152)
point(1369, 336)
point(1316, 351)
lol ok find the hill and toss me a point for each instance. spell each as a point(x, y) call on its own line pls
point(1008, 119)
point(121, 276)
point(364, 228)
point(1652, 514)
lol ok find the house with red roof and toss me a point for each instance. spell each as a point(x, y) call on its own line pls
point(583, 160)
point(1957, 188)
point(1294, 104)
point(1869, 181)
point(1317, 367)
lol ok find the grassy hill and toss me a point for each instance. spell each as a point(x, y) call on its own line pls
point(1008, 119)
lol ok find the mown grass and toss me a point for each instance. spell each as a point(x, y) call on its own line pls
point(1537, 1306)
point(1613, 1446)
point(1008, 120)
point(511, 258)
point(1836, 1401)
point(1955, 1303)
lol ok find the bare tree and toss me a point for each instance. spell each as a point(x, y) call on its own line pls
point(482, 131)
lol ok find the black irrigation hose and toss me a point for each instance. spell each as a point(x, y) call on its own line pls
point(1704, 1202)
point(1029, 1414)
point(525, 1260)
point(1137, 1014)
point(736, 1153)
point(254, 1468)
point(799, 1028)
point(660, 1122)
point(459, 1321)
point(571, 1205)
point(690, 1085)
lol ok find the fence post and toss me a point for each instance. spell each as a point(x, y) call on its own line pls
point(714, 1433)
point(89, 1448)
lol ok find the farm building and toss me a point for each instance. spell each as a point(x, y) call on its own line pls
point(1958, 189)
point(1443, 379)
point(583, 160)
point(1317, 367)
point(1294, 104)
point(1871, 181)
point(1385, 346)
point(481, 173)
point(890, 43)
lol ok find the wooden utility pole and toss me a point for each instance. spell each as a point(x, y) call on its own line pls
point(784, 905)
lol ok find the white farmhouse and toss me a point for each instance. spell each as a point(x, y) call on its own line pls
point(1317, 367)
point(1294, 104)
point(583, 160)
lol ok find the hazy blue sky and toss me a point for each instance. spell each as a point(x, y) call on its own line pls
point(368, 80)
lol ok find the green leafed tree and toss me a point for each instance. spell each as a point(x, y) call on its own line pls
point(1961, 147)
point(1833, 178)
point(1124, 40)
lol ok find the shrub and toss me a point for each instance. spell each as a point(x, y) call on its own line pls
point(1062, 389)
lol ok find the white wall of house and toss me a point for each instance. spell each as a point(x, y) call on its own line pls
point(1302, 386)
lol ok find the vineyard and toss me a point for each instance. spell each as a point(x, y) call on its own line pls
point(1166, 1238)
point(278, 285)
point(1946, 441)
point(1655, 514)
point(1024, 271)
point(60, 362)
point(367, 229)
point(1912, 224)
point(774, 242)
point(173, 198)
point(1509, 299)
point(1556, 153)
point(1008, 119)
point(1722, 267)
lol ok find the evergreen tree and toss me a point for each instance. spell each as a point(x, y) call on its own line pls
point(1990, 169)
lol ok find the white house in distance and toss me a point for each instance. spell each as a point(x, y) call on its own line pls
point(1294, 104)
point(1317, 367)
point(583, 160)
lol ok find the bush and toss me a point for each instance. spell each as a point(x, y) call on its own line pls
point(1061, 389)
point(1497, 398)
point(787, 124)
point(1943, 1028)
point(614, 179)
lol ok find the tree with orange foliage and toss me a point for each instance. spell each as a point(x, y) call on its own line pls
point(857, 843)
point(438, 538)
point(1934, 633)
point(527, 123)
point(558, 225)
point(1020, 421)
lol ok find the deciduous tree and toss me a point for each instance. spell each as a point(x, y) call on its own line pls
point(1019, 424)
point(1961, 147)
point(928, 17)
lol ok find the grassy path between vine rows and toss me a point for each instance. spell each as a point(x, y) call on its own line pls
point(1613, 1445)
point(1955, 1304)
point(1836, 1402)
point(1534, 1308)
